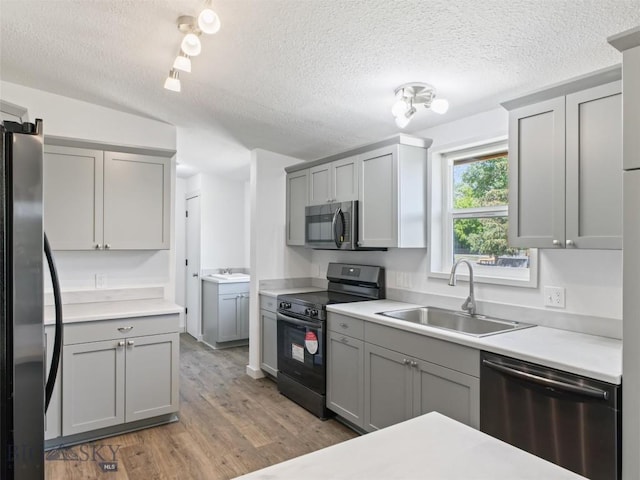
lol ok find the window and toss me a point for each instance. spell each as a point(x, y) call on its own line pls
point(474, 214)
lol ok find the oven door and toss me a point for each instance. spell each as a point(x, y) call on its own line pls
point(331, 226)
point(301, 351)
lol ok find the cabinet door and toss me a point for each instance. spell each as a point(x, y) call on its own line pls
point(537, 175)
point(52, 426)
point(243, 316)
point(345, 381)
point(137, 191)
point(72, 184)
point(92, 386)
point(631, 110)
point(269, 342)
point(388, 387)
point(297, 198)
point(151, 376)
point(378, 207)
point(451, 393)
point(345, 179)
point(228, 328)
point(320, 180)
point(594, 168)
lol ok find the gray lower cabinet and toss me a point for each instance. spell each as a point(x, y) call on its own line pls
point(110, 376)
point(225, 312)
point(345, 383)
point(52, 427)
point(269, 335)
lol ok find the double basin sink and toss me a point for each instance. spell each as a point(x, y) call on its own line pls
point(456, 321)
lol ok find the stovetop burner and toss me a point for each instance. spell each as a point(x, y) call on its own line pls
point(320, 299)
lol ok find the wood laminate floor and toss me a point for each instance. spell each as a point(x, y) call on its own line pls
point(229, 425)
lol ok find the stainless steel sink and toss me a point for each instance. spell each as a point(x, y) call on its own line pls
point(461, 322)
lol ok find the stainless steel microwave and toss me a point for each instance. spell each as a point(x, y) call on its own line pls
point(333, 226)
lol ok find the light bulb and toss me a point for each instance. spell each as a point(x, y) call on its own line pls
point(208, 21)
point(191, 45)
point(182, 63)
point(439, 105)
point(404, 119)
point(172, 82)
point(399, 107)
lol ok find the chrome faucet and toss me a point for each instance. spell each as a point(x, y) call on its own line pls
point(470, 303)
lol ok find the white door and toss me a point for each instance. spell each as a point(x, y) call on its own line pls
point(192, 291)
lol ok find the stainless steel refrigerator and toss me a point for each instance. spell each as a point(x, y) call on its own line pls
point(22, 347)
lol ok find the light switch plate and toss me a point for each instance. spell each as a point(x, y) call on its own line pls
point(101, 280)
point(554, 297)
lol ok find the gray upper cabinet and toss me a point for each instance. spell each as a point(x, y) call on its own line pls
point(95, 200)
point(73, 196)
point(297, 198)
point(565, 171)
point(336, 181)
point(393, 197)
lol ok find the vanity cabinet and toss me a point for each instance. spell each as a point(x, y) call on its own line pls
point(297, 198)
point(268, 335)
point(225, 313)
point(119, 371)
point(52, 426)
point(102, 200)
point(381, 375)
point(333, 182)
point(393, 197)
point(565, 170)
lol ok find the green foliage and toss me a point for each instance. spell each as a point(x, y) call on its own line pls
point(482, 184)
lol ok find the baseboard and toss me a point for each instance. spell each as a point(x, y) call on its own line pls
point(255, 373)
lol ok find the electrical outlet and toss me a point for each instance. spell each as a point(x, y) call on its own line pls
point(554, 297)
point(101, 280)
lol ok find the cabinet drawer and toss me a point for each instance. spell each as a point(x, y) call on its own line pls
point(100, 330)
point(354, 327)
point(225, 288)
point(447, 354)
point(268, 303)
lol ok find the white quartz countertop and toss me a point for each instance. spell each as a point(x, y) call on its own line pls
point(588, 355)
point(431, 446)
point(274, 292)
point(209, 278)
point(87, 312)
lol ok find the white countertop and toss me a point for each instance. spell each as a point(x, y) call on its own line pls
point(430, 446)
point(272, 292)
point(209, 278)
point(588, 355)
point(87, 312)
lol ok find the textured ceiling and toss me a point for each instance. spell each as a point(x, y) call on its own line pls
point(306, 78)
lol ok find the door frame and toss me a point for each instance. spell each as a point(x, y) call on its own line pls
point(198, 294)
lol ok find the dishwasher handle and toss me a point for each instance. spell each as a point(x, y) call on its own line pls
point(547, 382)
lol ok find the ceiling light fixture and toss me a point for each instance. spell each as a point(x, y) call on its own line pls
point(172, 82)
point(207, 22)
point(415, 93)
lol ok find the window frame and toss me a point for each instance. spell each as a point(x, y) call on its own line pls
point(442, 215)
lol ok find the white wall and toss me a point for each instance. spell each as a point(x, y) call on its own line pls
point(592, 278)
point(270, 256)
point(180, 207)
point(67, 117)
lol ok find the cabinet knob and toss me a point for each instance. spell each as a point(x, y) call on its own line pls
point(570, 243)
point(556, 243)
point(98, 246)
point(121, 343)
point(107, 246)
point(344, 340)
point(125, 329)
point(344, 325)
point(194, 275)
point(130, 343)
point(414, 363)
point(405, 361)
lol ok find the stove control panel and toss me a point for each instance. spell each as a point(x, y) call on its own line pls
point(311, 312)
point(285, 305)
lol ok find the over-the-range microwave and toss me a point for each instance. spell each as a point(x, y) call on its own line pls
point(333, 226)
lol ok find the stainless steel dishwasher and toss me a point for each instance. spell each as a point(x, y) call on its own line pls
point(572, 421)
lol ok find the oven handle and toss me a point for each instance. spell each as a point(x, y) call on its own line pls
point(302, 323)
point(334, 223)
point(547, 382)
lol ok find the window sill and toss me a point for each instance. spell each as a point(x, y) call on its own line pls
point(532, 282)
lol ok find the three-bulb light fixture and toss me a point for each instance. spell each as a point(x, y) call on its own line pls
point(410, 95)
point(207, 22)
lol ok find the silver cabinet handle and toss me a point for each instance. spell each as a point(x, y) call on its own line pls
point(121, 343)
point(194, 275)
point(414, 363)
point(405, 361)
point(107, 246)
point(98, 246)
point(344, 340)
point(556, 243)
point(570, 243)
point(125, 329)
point(344, 325)
point(131, 343)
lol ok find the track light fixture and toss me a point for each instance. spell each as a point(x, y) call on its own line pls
point(409, 95)
point(207, 22)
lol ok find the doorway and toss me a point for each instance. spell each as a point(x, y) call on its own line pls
point(192, 280)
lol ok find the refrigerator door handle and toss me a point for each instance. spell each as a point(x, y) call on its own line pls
point(57, 342)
